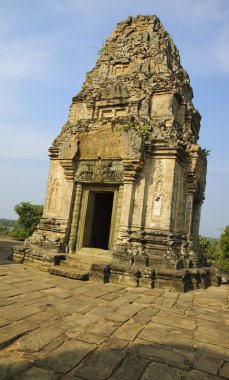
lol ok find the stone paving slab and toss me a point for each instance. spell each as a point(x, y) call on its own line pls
point(58, 328)
point(99, 364)
point(59, 361)
point(15, 330)
point(155, 371)
point(39, 338)
point(130, 368)
point(10, 367)
point(35, 373)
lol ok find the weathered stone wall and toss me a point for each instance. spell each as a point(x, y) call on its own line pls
point(58, 194)
point(132, 126)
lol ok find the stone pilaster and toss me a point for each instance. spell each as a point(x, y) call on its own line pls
point(189, 210)
point(75, 218)
point(130, 175)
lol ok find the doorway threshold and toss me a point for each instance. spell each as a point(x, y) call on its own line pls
point(93, 252)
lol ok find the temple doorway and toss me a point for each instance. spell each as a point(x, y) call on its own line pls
point(98, 219)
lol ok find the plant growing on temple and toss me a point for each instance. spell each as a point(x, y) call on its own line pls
point(29, 217)
point(206, 152)
point(144, 130)
point(102, 50)
point(128, 126)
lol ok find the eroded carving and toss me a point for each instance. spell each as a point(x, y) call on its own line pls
point(138, 129)
point(99, 172)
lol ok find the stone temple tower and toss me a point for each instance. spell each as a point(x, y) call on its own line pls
point(127, 177)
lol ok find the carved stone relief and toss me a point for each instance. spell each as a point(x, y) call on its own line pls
point(54, 190)
point(99, 171)
point(157, 190)
point(157, 200)
point(121, 69)
point(162, 105)
point(135, 109)
point(112, 112)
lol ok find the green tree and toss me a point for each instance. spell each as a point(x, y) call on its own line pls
point(29, 217)
point(6, 226)
point(217, 251)
point(213, 251)
point(204, 243)
point(210, 249)
point(223, 260)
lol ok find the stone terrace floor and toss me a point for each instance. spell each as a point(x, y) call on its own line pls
point(57, 328)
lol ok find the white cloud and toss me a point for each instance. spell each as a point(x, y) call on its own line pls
point(26, 58)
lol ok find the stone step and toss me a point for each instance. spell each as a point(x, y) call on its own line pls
point(84, 261)
point(76, 264)
point(73, 273)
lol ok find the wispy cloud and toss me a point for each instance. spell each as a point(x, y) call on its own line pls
point(23, 181)
point(196, 15)
point(80, 6)
point(221, 49)
point(202, 12)
point(27, 58)
point(201, 30)
point(23, 142)
point(202, 23)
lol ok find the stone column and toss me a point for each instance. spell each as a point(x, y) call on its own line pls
point(75, 218)
point(131, 169)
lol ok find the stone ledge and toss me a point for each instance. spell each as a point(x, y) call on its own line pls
point(25, 253)
point(182, 280)
point(70, 273)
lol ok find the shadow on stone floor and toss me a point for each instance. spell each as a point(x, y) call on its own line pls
point(6, 245)
point(76, 359)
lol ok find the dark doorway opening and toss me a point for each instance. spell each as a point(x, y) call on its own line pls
point(98, 219)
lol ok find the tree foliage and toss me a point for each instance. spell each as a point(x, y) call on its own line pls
point(223, 261)
point(29, 217)
point(217, 251)
point(6, 226)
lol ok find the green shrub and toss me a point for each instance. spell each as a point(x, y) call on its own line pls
point(29, 217)
point(217, 251)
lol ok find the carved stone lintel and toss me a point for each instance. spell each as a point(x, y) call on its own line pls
point(99, 171)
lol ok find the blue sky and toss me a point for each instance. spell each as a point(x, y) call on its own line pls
point(46, 48)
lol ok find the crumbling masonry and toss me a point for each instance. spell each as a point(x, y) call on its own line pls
point(127, 177)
